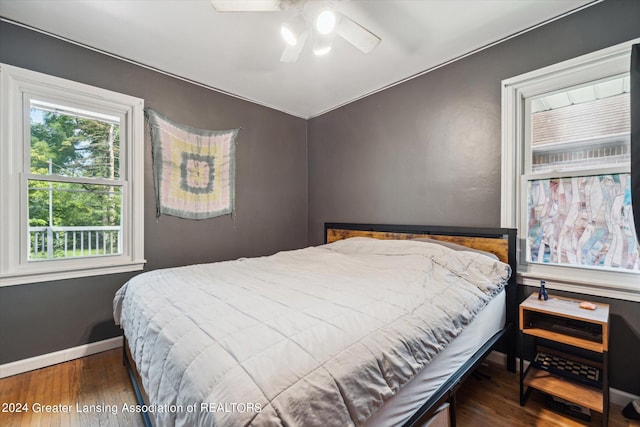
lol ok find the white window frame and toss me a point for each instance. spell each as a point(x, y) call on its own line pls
point(517, 93)
point(17, 86)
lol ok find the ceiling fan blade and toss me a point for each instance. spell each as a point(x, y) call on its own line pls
point(357, 35)
point(246, 5)
point(292, 53)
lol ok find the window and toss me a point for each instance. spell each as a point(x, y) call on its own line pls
point(71, 174)
point(566, 175)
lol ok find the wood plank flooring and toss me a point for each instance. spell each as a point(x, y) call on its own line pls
point(101, 380)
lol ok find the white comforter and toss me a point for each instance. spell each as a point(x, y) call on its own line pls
point(317, 336)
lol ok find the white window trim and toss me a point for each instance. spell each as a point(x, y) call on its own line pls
point(17, 82)
point(605, 63)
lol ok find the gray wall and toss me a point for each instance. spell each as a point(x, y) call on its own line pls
point(428, 151)
point(271, 195)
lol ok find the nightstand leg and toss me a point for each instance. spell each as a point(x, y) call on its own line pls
point(522, 400)
point(521, 352)
point(605, 388)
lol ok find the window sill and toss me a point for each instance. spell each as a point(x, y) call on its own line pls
point(609, 290)
point(38, 277)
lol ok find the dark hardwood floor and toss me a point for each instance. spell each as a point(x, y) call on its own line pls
point(90, 388)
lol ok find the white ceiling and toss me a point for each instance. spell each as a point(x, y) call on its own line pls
point(239, 53)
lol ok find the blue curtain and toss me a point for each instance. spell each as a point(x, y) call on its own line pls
point(635, 135)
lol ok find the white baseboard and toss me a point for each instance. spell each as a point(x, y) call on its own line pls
point(617, 397)
point(25, 365)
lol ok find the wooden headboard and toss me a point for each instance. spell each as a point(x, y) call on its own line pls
point(494, 240)
point(499, 241)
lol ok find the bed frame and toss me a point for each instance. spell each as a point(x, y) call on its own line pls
point(499, 241)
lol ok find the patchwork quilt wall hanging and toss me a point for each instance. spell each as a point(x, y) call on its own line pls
point(193, 169)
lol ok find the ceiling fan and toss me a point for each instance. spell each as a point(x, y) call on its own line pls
point(320, 27)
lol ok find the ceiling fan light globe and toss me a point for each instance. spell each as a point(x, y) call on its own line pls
point(288, 35)
point(326, 22)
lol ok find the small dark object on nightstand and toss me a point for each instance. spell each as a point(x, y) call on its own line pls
point(542, 293)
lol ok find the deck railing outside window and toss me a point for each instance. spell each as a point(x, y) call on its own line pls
point(67, 242)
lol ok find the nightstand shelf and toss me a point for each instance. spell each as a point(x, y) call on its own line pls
point(565, 389)
point(560, 320)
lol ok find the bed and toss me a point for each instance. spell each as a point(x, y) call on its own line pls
point(379, 326)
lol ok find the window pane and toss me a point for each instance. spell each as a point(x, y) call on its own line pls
point(582, 221)
point(72, 142)
point(73, 220)
point(582, 128)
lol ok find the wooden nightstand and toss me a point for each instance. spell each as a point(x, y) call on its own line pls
point(579, 379)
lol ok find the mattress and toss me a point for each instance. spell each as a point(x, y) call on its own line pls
point(318, 336)
point(399, 408)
